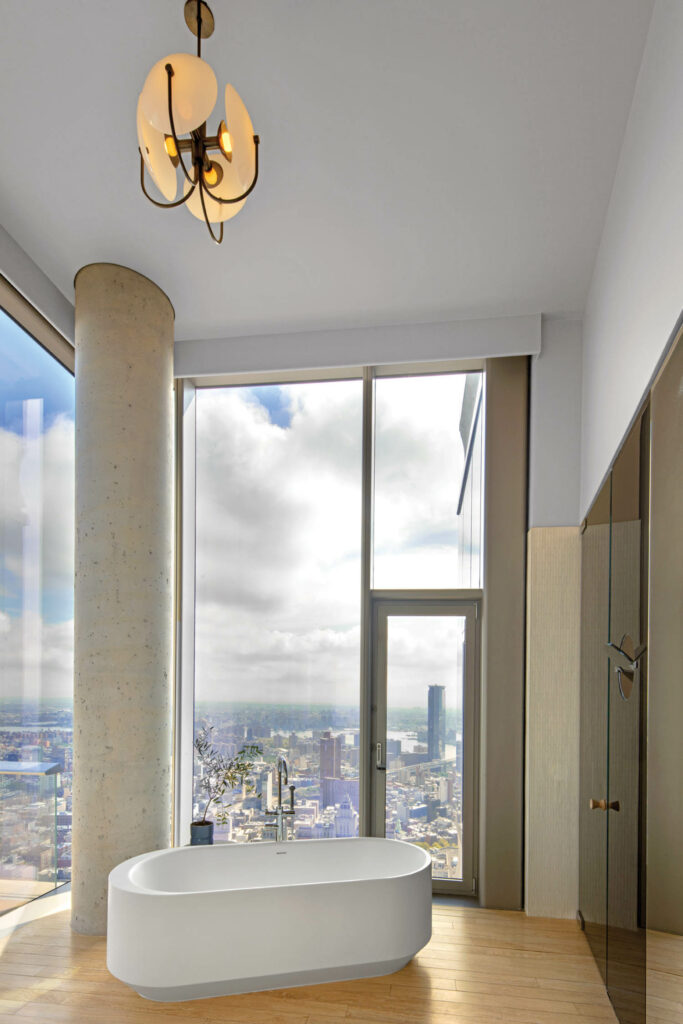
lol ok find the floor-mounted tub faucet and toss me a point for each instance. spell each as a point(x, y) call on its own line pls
point(279, 812)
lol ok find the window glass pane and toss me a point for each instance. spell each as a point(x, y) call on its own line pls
point(425, 700)
point(36, 617)
point(428, 482)
point(278, 520)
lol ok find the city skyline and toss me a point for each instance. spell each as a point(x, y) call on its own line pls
point(423, 799)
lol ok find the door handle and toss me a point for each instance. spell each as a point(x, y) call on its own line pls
point(628, 651)
point(603, 805)
point(625, 680)
point(378, 758)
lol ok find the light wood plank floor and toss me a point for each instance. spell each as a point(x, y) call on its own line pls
point(484, 966)
point(664, 978)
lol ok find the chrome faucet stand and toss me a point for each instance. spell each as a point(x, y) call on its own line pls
point(279, 813)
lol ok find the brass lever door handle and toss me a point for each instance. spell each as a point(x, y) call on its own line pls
point(603, 805)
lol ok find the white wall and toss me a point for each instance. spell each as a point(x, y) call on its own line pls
point(555, 426)
point(361, 346)
point(28, 279)
point(636, 292)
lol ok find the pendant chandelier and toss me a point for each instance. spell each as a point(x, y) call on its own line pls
point(218, 171)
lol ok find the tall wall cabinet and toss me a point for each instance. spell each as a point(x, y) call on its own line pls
point(632, 710)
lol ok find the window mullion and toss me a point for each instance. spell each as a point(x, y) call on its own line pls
point(368, 445)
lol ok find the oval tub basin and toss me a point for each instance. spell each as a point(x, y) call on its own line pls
point(196, 922)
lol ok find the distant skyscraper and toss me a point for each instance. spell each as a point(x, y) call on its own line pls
point(345, 820)
point(436, 723)
point(334, 791)
point(330, 756)
point(265, 788)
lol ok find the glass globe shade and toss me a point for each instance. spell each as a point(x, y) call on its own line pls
point(195, 90)
point(229, 186)
point(241, 130)
point(157, 161)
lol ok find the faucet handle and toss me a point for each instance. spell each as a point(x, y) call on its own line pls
point(291, 799)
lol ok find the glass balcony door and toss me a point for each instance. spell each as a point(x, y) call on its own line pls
point(423, 729)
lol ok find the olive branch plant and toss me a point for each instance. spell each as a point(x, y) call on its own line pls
point(221, 772)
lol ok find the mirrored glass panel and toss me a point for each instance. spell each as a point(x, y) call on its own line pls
point(664, 661)
point(627, 696)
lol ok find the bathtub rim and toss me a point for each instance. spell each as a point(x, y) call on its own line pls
point(121, 880)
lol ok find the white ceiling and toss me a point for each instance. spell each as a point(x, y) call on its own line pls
point(421, 159)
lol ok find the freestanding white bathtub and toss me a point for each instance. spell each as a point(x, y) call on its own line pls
point(203, 921)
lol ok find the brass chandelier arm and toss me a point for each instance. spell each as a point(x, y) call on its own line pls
point(164, 206)
point(238, 199)
point(218, 240)
point(169, 72)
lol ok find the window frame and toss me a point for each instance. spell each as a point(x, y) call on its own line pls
point(184, 653)
point(36, 326)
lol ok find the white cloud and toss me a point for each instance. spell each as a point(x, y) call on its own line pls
point(423, 651)
point(36, 658)
point(418, 471)
point(38, 492)
point(36, 562)
point(278, 546)
point(279, 529)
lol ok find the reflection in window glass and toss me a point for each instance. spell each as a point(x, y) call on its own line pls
point(428, 482)
point(278, 597)
point(36, 617)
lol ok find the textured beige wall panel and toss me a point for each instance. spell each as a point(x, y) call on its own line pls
point(552, 729)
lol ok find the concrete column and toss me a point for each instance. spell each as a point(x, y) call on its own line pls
point(123, 590)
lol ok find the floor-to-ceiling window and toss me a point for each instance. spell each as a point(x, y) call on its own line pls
point(278, 520)
point(36, 616)
point(282, 499)
point(426, 575)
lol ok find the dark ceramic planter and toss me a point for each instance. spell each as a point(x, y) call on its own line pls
point(201, 833)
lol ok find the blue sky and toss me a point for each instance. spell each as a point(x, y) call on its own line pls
point(28, 371)
point(276, 401)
